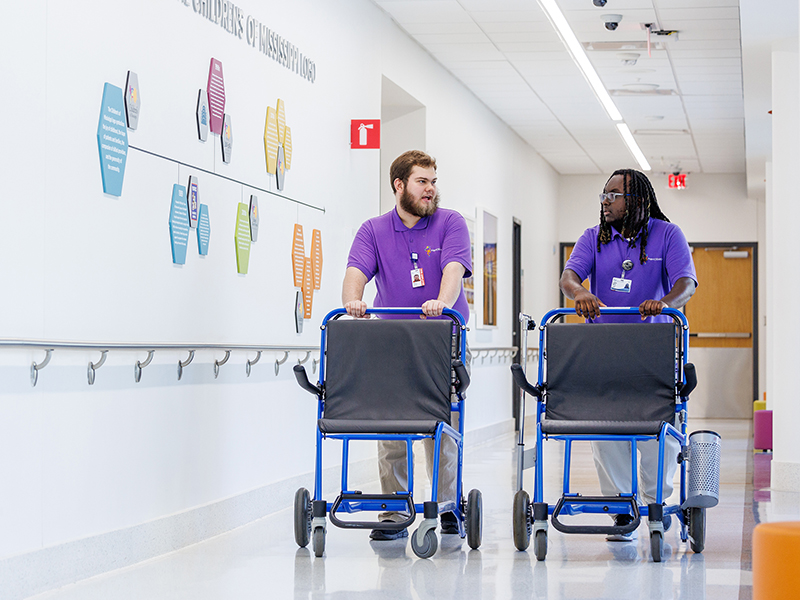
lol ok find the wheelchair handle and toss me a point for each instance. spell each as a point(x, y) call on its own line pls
point(676, 315)
point(411, 310)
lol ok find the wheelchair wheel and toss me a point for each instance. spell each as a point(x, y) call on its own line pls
point(697, 528)
point(522, 521)
point(319, 541)
point(429, 544)
point(302, 517)
point(540, 544)
point(474, 519)
point(656, 545)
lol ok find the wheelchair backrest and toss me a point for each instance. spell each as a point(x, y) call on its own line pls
point(610, 371)
point(388, 369)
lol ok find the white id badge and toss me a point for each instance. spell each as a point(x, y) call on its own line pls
point(620, 284)
point(417, 278)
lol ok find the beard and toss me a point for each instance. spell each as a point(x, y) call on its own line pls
point(408, 204)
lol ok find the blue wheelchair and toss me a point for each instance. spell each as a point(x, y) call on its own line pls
point(613, 382)
point(388, 378)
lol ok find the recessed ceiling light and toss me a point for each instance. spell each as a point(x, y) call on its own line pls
point(641, 87)
point(661, 132)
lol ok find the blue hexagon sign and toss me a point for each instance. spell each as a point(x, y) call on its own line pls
point(112, 139)
point(179, 225)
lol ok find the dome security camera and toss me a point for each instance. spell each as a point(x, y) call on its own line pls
point(611, 21)
point(599, 3)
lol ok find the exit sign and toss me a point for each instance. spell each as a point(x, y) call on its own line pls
point(677, 182)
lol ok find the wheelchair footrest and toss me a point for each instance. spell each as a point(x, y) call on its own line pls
point(598, 500)
point(375, 502)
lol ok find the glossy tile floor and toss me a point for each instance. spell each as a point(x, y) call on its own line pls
point(262, 561)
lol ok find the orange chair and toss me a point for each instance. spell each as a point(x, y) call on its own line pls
point(776, 558)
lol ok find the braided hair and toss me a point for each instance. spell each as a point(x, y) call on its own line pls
point(640, 205)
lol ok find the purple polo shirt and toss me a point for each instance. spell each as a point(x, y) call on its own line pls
point(669, 259)
point(382, 249)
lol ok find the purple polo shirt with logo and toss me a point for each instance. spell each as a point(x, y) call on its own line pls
point(382, 249)
point(668, 259)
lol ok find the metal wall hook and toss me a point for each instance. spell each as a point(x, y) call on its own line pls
point(219, 363)
point(305, 359)
point(278, 363)
point(250, 363)
point(137, 368)
point(314, 364)
point(36, 367)
point(184, 364)
point(94, 366)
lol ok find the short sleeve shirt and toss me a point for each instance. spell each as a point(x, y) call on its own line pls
point(669, 258)
point(383, 247)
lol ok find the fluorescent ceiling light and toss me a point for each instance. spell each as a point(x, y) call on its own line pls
point(627, 137)
point(579, 56)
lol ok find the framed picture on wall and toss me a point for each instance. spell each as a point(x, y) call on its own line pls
point(484, 268)
point(469, 282)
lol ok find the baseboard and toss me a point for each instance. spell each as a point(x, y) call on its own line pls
point(36, 572)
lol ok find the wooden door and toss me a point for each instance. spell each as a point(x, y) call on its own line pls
point(721, 311)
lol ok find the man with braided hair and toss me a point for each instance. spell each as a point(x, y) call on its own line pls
point(634, 258)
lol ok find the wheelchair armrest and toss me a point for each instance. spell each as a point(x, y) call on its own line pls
point(461, 375)
point(691, 380)
point(522, 381)
point(302, 380)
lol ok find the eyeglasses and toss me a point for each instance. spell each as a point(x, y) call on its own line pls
point(611, 196)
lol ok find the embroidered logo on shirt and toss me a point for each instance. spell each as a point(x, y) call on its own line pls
point(428, 250)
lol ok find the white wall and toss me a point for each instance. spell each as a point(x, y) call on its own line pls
point(78, 265)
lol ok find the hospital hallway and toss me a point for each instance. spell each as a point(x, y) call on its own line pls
point(262, 561)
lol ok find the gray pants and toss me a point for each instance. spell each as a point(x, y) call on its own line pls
point(393, 465)
point(613, 463)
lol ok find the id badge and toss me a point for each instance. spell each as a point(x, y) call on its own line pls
point(417, 278)
point(620, 284)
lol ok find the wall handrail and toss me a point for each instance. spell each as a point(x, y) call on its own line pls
point(50, 346)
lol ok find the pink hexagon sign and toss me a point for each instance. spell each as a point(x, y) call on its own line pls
point(216, 95)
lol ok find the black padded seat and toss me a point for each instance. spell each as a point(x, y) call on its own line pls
point(364, 426)
point(609, 378)
point(387, 375)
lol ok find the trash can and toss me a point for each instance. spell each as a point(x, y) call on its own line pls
point(705, 449)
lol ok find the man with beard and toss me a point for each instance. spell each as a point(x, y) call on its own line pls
point(418, 254)
point(635, 258)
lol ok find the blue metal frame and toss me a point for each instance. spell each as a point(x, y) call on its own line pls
point(575, 507)
point(352, 506)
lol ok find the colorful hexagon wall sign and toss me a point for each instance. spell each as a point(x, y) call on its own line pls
point(216, 95)
point(179, 225)
point(298, 255)
point(242, 238)
point(203, 230)
point(227, 139)
point(202, 115)
point(112, 140)
point(271, 140)
point(133, 100)
point(316, 257)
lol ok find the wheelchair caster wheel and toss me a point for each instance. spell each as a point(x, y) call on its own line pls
point(656, 545)
point(522, 520)
point(427, 547)
point(540, 544)
point(474, 519)
point(302, 517)
point(319, 542)
point(697, 528)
